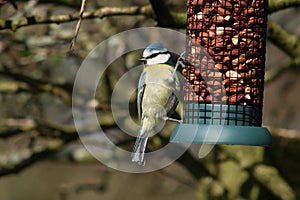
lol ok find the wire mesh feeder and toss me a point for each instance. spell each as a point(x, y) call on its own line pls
point(225, 64)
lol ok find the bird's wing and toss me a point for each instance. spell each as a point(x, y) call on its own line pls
point(174, 96)
point(141, 89)
point(172, 103)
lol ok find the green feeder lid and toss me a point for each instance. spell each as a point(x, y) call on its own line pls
point(221, 134)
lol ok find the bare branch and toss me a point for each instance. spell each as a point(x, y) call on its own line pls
point(30, 5)
point(100, 13)
point(56, 131)
point(69, 3)
point(61, 90)
point(162, 13)
point(276, 5)
point(273, 74)
point(60, 136)
point(285, 41)
point(33, 158)
point(283, 133)
point(12, 2)
point(164, 16)
point(12, 87)
point(11, 127)
point(270, 178)
point(265, 175)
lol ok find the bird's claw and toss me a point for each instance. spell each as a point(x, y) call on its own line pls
point(172, 119)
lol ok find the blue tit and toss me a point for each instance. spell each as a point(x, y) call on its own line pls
point(158, 89)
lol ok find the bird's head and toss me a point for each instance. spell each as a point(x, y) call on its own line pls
point(155, 53)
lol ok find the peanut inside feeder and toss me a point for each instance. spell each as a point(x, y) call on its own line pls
point(225, 55)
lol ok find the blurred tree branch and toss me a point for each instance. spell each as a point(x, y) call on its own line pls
point(47, 129)
point(285, 41)
point(165, 17)
point(64, 91)
point(61, 137)
point(13, 3)
point(53, 146)
point(100, 13)
point(12, 87)
point(12, 127)
point(273, 74)
point(57, 138)
point(26, 162)
point(265, 175)
point(285, 134)
point(162, 12)
point(69, 3)
point(157, 11)
point(277, 5)
point(274, 5)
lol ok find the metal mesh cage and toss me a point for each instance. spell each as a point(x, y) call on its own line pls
point(225, 64)
point(226, 56)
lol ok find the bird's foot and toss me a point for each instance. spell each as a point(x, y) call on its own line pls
point(174, 120)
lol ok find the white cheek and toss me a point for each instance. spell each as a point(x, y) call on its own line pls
point(163, 58)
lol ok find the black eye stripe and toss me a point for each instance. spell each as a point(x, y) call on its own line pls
point(152, 55)
point(156, 54)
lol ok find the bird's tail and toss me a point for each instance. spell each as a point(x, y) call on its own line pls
point(147, 128)
point(138, 152)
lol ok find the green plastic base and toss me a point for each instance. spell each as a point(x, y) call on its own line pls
point(221, 134)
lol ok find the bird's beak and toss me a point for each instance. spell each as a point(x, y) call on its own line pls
point(143, 60)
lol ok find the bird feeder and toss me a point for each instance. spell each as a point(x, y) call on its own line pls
point(224, 73)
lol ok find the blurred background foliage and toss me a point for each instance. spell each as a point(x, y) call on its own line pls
point(41, 156)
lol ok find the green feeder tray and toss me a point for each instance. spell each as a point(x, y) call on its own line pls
point(217, 134)
point(221, 124)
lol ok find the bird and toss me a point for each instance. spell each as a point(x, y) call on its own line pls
point(157, 97)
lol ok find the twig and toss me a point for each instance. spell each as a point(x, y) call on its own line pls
point(180, 61)
point(73, 42)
